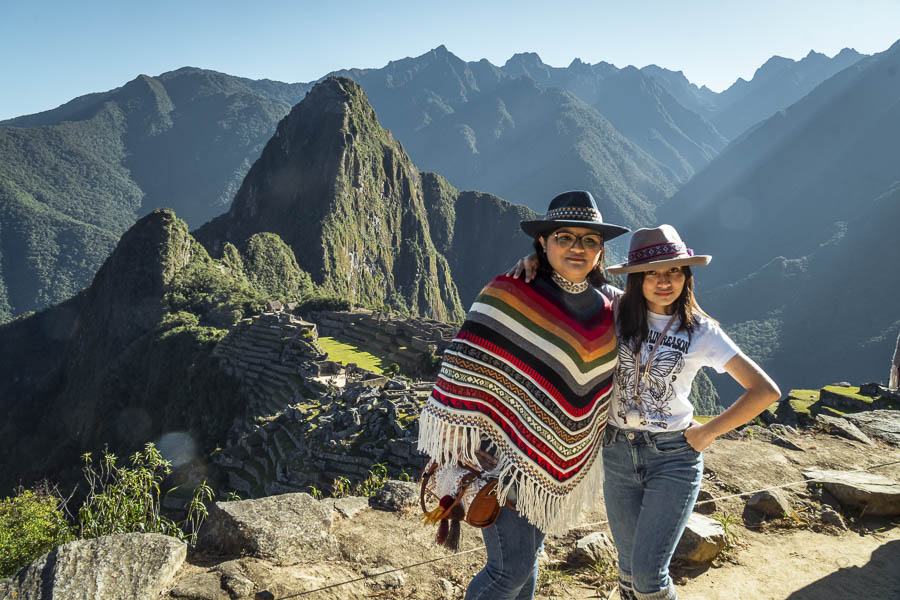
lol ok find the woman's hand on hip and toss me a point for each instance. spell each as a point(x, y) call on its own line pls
point(699, 436)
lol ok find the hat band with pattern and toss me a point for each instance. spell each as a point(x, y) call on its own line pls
point(574, 213)
point(657, 251)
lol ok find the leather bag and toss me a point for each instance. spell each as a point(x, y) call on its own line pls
point(463, 494)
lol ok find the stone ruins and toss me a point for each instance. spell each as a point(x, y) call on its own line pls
point(309, 420)
point(410, 342)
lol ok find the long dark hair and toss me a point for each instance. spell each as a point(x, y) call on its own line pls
point(595, 277)
point(632, 324)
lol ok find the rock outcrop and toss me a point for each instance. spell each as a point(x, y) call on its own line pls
point(283, 528)
point(702, 540)
point(880, 424)
point(870, 493)
point(131, 566)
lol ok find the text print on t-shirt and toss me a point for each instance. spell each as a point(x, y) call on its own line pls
point(657, 391)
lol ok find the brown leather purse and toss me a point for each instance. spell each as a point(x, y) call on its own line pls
point(471, 497)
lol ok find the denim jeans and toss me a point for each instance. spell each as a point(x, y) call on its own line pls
point(513, 545)
point(650, 484)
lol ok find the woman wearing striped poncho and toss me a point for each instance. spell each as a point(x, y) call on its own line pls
point(528, 379)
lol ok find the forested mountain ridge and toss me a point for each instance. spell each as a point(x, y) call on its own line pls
point(73, 179)
point(775, 85)
point(343, 194)
point(800, 216)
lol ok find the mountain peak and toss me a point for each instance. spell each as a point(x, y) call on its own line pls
point(345, 196)
point(847, 52)
point(525, 59)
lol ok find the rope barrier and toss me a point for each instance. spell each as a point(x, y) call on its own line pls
point(418, 564)
point(449, 556)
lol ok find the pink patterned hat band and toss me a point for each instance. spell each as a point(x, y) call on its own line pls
point(658, 251)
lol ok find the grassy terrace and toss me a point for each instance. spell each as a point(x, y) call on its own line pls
point(345, 353)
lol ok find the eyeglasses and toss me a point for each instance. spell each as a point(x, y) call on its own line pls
point(591, 242)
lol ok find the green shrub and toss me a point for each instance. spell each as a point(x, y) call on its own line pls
point(31, 524)
point(126, 500)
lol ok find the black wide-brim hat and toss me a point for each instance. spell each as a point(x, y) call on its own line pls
point(573, 209)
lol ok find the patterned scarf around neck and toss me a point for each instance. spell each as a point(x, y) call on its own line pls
point(534, 381)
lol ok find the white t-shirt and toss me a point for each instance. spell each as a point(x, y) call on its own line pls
point(664, 402)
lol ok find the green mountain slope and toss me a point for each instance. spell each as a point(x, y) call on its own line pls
point(797, 216)
point(73, 179)
point(129, 358)
point(344, 195)
point(679, 138)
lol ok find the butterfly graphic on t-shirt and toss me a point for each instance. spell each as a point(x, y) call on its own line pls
point(657, 389)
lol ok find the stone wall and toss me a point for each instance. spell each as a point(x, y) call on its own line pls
point(407, 341)
point(274, 357)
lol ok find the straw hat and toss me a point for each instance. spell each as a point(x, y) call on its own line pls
point(658, 248)
point(573, 209)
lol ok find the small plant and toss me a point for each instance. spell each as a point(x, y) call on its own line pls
point(315, 492)
point(549, 575)
point(233, 496)
point(197, 511)
point(728, 521)
point(340, 488)
point(404, 476)
point(374, 482)
point(392, 369)
point(797, 518)
point(602, 574)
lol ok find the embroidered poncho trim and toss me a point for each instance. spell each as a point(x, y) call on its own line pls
point(527, 376)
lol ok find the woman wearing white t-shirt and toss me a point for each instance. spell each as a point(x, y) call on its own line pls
point(652, 447)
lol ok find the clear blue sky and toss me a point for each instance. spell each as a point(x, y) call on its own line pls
point(53, 51)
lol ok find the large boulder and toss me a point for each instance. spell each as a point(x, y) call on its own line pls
point(131, 566)
point(593, 548)
point(285, 528)
point(881, 424)
point(875, 494)
point(844, 428)
point(770, 503)
point(702, 540)
point(397, 495)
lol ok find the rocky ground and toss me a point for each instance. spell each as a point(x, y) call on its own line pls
point(815, 546)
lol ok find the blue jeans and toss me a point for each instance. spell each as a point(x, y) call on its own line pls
point(513, 545)
point(650, 484)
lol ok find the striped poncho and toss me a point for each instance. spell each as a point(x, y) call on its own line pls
point(533, 380)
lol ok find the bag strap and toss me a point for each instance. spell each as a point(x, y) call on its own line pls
point(464, 484)
point(427, 472)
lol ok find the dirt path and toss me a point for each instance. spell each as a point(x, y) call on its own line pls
point(803, 565)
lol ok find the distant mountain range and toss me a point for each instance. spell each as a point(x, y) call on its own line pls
point(776, 84)
point(73, 179)
point(781, 206)
point(801, 215)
